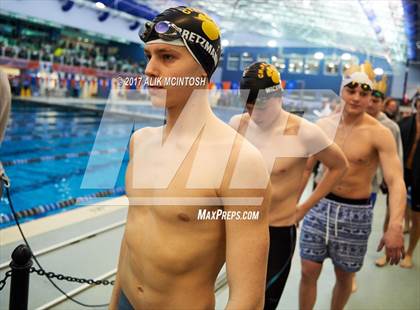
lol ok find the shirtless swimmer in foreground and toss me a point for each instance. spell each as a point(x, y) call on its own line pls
point(169, 259)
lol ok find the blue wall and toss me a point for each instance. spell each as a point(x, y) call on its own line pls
point(131, 51)
point(301, 80)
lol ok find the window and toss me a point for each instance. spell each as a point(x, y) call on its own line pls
point(233, 62)
point(246, 60)
point(279, 63)
point(295, 64)
point(345, 64)
point(263, 58)
point(311, 65)
point(331, 66)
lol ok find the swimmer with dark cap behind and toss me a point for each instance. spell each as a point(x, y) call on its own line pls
point(195, 164)
point(285, 141)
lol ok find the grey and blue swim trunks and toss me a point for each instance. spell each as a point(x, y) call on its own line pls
point(338, 228)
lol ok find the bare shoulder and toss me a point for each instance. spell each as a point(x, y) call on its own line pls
point(313, 137)
point(141, 136)
point(236, 120)
point(246, 165)
point(294, 124)
point(326, 123)
point(249, 168)
point(373, 125)
point(247, 148)
point(241, 147)
point(308, 125)
point(146, 132)
point(380, 135)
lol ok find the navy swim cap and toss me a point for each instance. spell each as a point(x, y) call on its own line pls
point(197, 30)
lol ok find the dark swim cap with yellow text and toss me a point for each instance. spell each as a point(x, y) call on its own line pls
point(260, 76)
point(196, 29)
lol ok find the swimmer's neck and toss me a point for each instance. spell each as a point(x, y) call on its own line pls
point(276, 121)
point(351, 119)
point(196, 111)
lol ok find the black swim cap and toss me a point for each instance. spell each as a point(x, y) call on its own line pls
point(198, 31)
point(260, 76)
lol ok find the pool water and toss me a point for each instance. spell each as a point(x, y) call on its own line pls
point(45, 153)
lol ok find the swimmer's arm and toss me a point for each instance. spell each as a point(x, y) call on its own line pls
point(113, 304)
point(309, 167)
point(247, 244)
point(247, 240)
point(334, 159)
point(393, 176)
point(315, 140)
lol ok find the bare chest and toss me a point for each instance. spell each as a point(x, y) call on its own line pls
point(288, 168)
point(357, 145)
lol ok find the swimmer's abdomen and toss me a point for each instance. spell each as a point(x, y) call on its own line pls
point(167, 253)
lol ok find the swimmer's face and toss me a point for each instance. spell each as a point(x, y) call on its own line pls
point(356, 99)
point(374, 106)
point(166, 61)
point(264, 113)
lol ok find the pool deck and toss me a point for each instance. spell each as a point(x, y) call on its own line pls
point(96, 255)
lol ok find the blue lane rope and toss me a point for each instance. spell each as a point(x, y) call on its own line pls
point(8, 217)
point(23, 161)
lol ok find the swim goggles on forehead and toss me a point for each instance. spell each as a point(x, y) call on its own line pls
point(165, 30)
point(260, 97)
point(377, 94)
point(364, 86)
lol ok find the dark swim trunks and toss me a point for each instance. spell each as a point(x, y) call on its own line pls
point(124, 303)
point(282, 247)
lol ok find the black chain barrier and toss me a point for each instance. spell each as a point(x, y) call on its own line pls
point(52, 275)
point(41, 271)
point(3, 282)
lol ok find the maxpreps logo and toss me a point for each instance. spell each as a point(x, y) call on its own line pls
point(209, 28)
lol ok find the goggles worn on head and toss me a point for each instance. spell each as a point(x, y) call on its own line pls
point(353, 85)
point(378, 94)
point(263, 96)
point(165, 30)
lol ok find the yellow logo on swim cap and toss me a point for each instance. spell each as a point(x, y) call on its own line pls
point(270, 71)
point(273, 73)
point(261, 71)
point(209, 26)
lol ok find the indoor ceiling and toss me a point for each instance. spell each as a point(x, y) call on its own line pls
point(372, 27)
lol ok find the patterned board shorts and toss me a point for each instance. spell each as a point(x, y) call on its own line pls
point(349, 223)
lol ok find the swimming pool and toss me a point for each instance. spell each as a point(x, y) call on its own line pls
point(46, 151)
point(45, 154)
